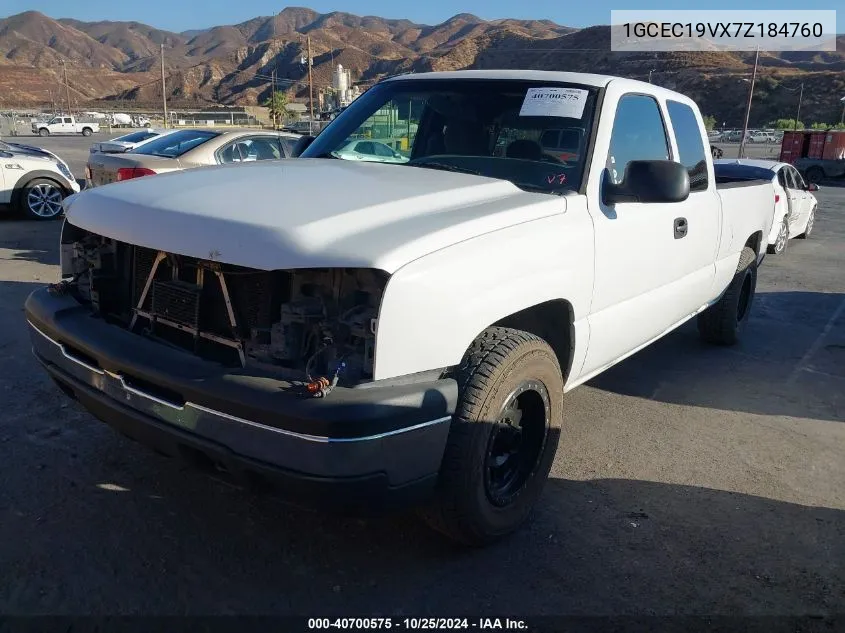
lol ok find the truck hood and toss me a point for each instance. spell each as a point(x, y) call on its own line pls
point(306, 213)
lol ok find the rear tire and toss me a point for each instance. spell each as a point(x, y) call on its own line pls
point(503, 437)
point(782, 240)
point(723, 322)
point(87, 131)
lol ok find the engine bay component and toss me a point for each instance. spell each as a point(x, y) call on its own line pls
point(328, 325)
point(302, 324)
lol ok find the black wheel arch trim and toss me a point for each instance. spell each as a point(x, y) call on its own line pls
point(59, 179)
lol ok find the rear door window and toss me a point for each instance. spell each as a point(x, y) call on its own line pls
point(797, 178)
point(690, 144)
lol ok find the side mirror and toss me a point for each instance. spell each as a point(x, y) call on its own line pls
point(302, 144)
point(812, 187)
point(656, 181)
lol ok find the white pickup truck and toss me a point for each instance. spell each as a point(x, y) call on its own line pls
point(64, 124)
point(367, 332)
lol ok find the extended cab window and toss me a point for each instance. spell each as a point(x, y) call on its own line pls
point(690, 145)
point(638, 134)
point(531, 133)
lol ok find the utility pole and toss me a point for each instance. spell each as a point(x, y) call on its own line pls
point(67, 86)
point(273, 98)
point(748, 107)
point(310, 91)
point(842, 116)
point(798, 114)
point(649, 75)
point(163, 88)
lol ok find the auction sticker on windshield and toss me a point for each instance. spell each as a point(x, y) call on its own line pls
point(559, 102)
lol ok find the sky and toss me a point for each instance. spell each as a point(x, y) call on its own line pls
point(187, 14)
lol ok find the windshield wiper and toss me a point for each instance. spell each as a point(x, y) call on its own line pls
point(446, 167)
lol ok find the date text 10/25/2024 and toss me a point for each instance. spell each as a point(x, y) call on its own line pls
point(413, 624)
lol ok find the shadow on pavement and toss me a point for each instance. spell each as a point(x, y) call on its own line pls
point(791, 361)
point(102, 525)
point(33, 240)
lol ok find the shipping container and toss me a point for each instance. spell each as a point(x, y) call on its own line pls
point(794, 146)
point(834, 146)
point(816, 144)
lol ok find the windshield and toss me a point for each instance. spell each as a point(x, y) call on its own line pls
point(176, 144)
point(531, 133)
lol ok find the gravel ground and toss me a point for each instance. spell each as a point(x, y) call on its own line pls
point(689, 480)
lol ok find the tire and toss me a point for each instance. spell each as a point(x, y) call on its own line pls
point(723, 322)
point(814, 174)
point(87, 131)
point(43, 132)
point(41, 199)
point(782, 240)
point(811, 220)
point(502, 440)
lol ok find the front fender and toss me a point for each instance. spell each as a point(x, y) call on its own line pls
point(434, 307)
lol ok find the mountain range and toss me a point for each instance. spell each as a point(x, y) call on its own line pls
point(231, 64)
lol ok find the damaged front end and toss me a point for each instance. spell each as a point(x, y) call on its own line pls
point(317, 326)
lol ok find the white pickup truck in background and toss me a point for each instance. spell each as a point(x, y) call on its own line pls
point(404, 330)
point(64, 124)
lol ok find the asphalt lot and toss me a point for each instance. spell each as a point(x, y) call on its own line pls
point(689, 480)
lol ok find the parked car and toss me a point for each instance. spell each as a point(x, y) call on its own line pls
point(714, 136)
point(735, 136)
point(188, 148)
point(761, 137)
point(362, 332)
point(34, 181)
point(127, 142)
point(364, 149)
point(795, 205)
point(64, 124)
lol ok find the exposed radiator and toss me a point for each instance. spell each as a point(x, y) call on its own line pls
point(177, 301)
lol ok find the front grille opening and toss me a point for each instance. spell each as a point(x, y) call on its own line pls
point(156, 391)
point(81, 356)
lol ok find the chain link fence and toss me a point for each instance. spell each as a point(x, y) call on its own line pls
point(12, 125)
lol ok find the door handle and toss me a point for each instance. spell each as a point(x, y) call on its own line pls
point(681, 227)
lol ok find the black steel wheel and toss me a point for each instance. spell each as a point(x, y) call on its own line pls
point(502, 439)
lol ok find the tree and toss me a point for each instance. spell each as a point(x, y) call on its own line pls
point(709, 122)
point(828, 126)
point(785, 124)
point(278, 106)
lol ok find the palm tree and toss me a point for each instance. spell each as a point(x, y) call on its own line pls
point(278, 105)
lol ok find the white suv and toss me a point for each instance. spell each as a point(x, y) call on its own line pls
point(34, 181)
